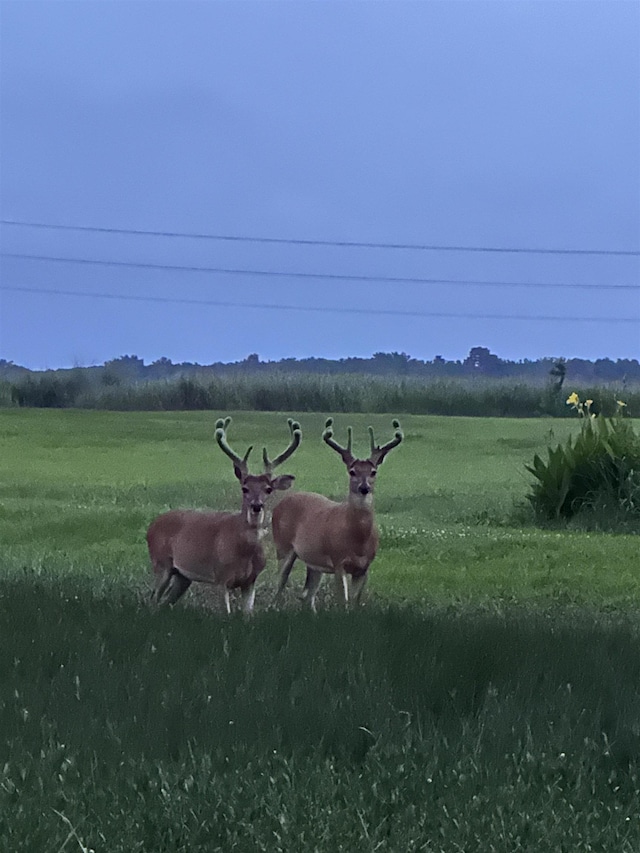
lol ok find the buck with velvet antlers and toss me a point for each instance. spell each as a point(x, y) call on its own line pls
point(329, 537)
point(220, 548)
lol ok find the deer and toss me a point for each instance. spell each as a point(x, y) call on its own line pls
point(330, 537)
point(219, 548)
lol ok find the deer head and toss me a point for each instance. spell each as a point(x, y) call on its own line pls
point(257, 487)
point(362, 472)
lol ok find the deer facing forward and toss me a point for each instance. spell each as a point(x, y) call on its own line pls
point(329, 537)
point(220, 548)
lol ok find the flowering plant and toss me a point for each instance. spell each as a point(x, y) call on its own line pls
point(600, 467)
point(583, 409)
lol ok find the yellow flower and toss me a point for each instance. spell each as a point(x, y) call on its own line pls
point(573, 400)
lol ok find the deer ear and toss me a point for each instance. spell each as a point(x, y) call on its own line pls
point(238, 472)
point(283, 482)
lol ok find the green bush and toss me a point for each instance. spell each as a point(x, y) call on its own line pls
point(5, 394)
point(599, 468)
point(48, 391)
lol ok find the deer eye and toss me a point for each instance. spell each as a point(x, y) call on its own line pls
point(245, 490)
point(268, 490)
point(352, 473)
point(373, 473)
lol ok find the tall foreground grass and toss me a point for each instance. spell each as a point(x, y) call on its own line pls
point(392, 730)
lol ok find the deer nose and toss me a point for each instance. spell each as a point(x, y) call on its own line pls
point(364, 490)
point(256, 507)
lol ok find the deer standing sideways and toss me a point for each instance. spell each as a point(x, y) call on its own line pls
point(220, 548)
point(329, 537)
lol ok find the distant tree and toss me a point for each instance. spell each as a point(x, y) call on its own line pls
point(558, 373)
point(126, 367)
point(160, 368)
point(390, 362)
point(606, 369)
point(482, 361)
point(628, 368)
point(9, 370)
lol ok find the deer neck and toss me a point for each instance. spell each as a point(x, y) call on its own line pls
point(359, 519)
point(254, 525)
point(360, 505)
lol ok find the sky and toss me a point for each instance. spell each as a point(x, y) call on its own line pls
point(417, 177)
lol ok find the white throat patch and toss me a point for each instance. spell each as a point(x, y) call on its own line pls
point(361, 501)
point(255, 519)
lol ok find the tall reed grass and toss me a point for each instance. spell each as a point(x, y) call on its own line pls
point(311, 393)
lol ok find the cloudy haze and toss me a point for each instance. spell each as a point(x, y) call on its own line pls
point(502, 125)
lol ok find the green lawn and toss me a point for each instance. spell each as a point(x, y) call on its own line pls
point(487, 697)
point(79, 488)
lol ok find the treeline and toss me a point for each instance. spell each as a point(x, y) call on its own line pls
point(291, 392)
point(480, 362)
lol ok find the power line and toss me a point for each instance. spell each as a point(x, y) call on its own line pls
point(316, 309)
point(322, 276)
point(335, 243)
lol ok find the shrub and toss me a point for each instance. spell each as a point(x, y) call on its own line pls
point(49, 391)
point(5, 393)
point(191, 395)
point(600, 467)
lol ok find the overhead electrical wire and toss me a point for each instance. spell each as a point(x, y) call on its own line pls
point(318, 276)
point(316, 309)
point(316, 242)
point(310, 275)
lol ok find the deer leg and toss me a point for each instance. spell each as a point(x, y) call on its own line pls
point(311, 587)
point(162, 581)
point(342, 586)
point(248, 598)
point(177, 587)
point(358, 584)
point(285, 571)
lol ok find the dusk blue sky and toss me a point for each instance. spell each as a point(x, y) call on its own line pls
point(500, 125)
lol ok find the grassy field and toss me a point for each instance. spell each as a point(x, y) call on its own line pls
point(487, 697)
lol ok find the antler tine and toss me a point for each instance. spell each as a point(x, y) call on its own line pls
point(372, 439)
point(221, 438)
point(296, 438)
point(378, 453)
point(327, 437)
